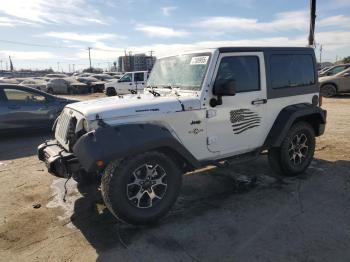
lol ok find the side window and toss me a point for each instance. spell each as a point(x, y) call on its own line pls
point(138, 77)
point(244, 70)
point(291, 71)
point(337, 70)
point(126, 78)
point(16, 95)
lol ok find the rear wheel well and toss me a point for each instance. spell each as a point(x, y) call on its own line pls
point(332, 84)
point(314, 120)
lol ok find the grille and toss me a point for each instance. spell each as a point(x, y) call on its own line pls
point(62, 126)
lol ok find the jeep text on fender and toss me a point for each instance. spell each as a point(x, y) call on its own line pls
point(197, 109)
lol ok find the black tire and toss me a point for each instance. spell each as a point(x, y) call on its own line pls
point(328, 90)
point(50, 90)
point(111, 91)
point(119, 186)
point(293, 157)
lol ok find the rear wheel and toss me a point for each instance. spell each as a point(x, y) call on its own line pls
point(296, 151)
point(328, 90)
point(141, 189)
point(50, 90)
point(111, 91)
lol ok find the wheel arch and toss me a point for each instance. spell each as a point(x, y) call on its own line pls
point(109, 143)
point(291, 115)
point(330, 83)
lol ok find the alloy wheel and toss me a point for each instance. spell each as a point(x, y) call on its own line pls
point(298, 149)
point(147, 186)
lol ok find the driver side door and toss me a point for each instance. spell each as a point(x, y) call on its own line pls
point(125, 84)
point(238, 124)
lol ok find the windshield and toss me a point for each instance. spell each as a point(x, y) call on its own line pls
point(183, 71)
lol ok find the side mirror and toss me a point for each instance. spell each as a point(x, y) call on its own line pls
point(223, 88)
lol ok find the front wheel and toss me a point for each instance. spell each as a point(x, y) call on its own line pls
point(328, 90)
point(296, 151)
point(111, 91)
point(141, 189)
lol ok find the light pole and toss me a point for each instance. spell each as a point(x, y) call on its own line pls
point(89, 48)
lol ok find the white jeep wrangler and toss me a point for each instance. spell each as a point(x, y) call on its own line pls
point(197, 109)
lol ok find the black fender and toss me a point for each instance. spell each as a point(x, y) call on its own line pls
point(110, 143)
point(315, 115)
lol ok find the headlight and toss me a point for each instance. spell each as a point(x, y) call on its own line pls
point(85, 125)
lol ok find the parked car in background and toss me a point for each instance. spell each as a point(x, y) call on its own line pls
point(115, 75)
point(56, 75)
point(35, 83)
point(84, 75)
point(332, 85)
point(9, 81)
point(334, 70)
point(66, 85)
point(129, 83)
point(24, 108)
point(93, 84)
point(103, 77)
point(46, 79)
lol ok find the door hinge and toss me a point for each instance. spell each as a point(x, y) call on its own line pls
point(211, 113)
point(211, 139)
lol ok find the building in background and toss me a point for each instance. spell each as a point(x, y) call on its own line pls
point(137, 62)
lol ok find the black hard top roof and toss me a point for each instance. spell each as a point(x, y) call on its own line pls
point(262, 49)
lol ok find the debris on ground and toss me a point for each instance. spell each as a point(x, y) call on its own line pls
point(36, 206)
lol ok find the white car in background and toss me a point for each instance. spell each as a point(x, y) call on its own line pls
point(35, 83)
point(129, 83)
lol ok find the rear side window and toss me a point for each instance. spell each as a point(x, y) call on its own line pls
point(291, 71)
point(336, 70)
point(244, 70)
point(138, 77)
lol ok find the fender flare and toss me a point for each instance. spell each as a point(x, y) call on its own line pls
point(315, 115)
point(109, 143)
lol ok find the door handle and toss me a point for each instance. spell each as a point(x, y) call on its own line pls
point(259, 101)
point(130, 84)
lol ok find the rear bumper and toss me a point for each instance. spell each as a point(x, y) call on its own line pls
point(58, 161)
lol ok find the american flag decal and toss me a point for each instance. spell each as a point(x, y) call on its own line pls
point(243, 119)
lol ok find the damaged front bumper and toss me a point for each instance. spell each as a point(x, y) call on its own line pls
point(58, 161)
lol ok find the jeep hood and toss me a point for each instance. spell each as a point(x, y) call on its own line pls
point(134, 105)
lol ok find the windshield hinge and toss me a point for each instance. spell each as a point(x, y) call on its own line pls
point(211, 113)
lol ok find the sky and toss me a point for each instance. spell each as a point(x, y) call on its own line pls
point(41, 34)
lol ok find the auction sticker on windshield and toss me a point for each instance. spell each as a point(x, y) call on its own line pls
point(199, 60)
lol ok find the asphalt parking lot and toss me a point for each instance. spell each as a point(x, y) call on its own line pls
point(215, 218)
